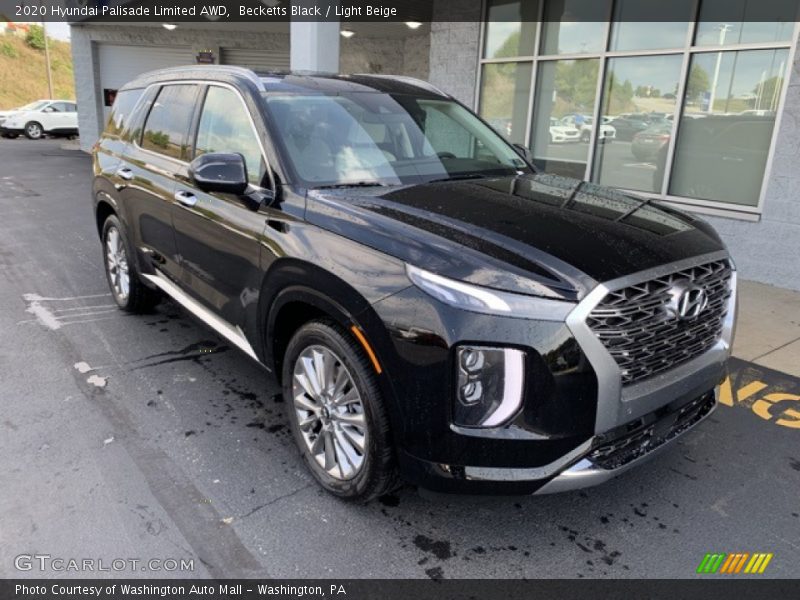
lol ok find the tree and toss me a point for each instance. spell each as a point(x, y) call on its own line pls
point(698, 83)
point(35, 37)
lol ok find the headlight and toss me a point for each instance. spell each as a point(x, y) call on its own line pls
point(486, 300)
point(489, 385)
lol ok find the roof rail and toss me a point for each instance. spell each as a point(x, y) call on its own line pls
point(231, 69)
point(409, 80)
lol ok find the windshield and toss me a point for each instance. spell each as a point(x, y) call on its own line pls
point(34, 105)
point(382, 139)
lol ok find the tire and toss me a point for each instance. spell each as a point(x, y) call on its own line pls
point(342, 471)
point(33, 130)
point(130, 294)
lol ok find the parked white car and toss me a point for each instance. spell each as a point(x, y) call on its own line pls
point(606, 132)
point(560, 134)
point(43, 117)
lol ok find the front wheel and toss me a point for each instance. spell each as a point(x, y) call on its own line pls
point(336, 412)
point(33, 131)
point(130, 294)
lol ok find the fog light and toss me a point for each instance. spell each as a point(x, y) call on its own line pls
point(489, 385)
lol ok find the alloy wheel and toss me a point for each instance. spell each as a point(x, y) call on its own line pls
point(34, 131)
point(117, 264)
point(330, 412)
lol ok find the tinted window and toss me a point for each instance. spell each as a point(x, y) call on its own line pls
point(122, 110)
point(225, 126)
point(167, 126)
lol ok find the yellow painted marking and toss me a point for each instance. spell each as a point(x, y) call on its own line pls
point(761, 407)
point(357, 332)
point(793, 421)
point(765, 563)
point(742, 394)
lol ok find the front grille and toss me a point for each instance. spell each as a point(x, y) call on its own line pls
point(645, 435)
point(639, 328)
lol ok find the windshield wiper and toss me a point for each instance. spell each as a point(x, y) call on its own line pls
point(460, 178)
point(353, 184)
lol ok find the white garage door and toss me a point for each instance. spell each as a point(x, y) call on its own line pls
point(258, 60)
point(120, 64)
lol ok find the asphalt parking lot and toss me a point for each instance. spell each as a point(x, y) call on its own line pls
point(147, 437)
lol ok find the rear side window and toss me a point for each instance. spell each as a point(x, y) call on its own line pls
point(122, 111)
point(166, 130)
point(225, 126)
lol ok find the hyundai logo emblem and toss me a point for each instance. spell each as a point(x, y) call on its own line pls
point(688, 300)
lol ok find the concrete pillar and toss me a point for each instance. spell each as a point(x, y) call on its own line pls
point(87, 86)
point(314, 46)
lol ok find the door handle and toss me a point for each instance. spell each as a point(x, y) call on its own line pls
point(125, 173)
point(186, 198)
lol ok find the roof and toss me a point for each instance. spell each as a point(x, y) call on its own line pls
point(291, 82)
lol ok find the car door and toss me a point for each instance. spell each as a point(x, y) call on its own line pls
point(219, 235)
point(49, 116)
point(154, 159)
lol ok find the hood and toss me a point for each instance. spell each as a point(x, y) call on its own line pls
point(538, 234)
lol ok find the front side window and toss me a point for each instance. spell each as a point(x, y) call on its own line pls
point(356, 138)
point(225, 126)
point(167, 127)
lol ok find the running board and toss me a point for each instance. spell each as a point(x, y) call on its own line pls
point(233, 334)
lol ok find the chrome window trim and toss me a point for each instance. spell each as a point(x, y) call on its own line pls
point(687, 51)
point(209, 83)
point(615, 403)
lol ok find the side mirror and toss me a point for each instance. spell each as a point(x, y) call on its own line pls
point(218, 172)
point(524, 152)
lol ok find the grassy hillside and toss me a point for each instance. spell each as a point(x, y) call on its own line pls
point(23, 77)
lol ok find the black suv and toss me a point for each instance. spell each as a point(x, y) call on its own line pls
point(434, 307)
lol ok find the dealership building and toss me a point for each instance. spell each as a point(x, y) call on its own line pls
point(696, 110)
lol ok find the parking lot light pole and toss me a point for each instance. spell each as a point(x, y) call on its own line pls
point(47, 61)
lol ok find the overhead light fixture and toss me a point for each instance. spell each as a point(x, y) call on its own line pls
point(169, 26)
point(346, 33)
point(413, 24)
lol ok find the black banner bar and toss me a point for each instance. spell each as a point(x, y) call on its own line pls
point(423, 11)
point(712, 588)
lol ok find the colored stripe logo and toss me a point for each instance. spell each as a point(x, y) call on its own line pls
point(732, 564)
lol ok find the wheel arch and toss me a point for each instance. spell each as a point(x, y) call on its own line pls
point(295, 292)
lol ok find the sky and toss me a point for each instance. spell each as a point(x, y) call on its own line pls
point(59, 31)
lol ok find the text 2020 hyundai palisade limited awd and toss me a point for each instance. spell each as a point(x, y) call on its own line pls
point(435, 309)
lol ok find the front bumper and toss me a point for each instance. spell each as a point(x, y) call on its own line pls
point(574, 409)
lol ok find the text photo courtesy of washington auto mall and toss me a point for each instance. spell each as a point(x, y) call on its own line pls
point(435, 299)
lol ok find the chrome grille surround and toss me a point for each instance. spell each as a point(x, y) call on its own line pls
point(643, 335)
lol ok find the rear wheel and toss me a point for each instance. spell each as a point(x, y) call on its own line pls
point(336, 412)
point(33, 131)
point(129, 292)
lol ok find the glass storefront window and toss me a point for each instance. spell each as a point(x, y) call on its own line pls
point(666, 91)
point(563, 109)
point(574, 26)
point(639, 103)
point(505, 88)
point(632, 31)
point(510, 28)
point(759, 21)
point(730, 105)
